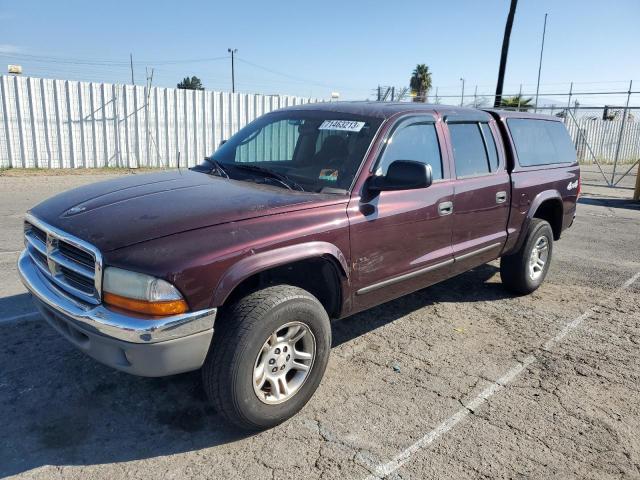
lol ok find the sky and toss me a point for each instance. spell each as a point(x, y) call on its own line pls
point(315, 48)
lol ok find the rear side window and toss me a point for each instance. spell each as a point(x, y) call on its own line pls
point(541, 142)
point(469, 152)
point(491, 146)
point(413, 141)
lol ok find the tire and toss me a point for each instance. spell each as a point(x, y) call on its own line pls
point(238, 349)
point(515, 270)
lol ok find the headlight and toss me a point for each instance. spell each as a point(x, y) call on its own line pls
point(141, 293)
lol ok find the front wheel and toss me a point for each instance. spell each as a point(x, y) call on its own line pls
point(524, 271)
point(267, 357)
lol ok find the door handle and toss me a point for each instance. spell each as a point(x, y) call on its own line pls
point(501, 197)
point(445, 208)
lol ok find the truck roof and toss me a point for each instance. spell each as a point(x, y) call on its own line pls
point(387, 109)
point(513, 114)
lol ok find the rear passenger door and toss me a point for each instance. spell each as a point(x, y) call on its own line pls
point(481, 193)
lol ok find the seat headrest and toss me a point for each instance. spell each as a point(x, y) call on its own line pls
point(334, 146)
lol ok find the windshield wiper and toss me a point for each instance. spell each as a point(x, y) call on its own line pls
point(217, 167)
point(286, 181)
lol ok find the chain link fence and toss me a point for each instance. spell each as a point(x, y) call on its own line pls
point(604, 125)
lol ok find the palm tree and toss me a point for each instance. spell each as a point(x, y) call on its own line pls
point(517, 102)
point(420, 83)
point(505, 52)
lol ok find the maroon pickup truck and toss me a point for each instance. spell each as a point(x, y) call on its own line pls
point(307, 214)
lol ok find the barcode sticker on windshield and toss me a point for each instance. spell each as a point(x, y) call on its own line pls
point(343, 125)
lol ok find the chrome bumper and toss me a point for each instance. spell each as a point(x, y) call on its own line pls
point(142, 346)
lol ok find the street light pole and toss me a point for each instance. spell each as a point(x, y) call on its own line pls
point(462, 96)
point(544, 32)
point(232, 51)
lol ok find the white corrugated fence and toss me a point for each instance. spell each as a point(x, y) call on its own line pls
point(600, 138)
point(47, 123)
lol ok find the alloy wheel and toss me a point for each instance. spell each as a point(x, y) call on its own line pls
point(283, 363)
point(538, 257)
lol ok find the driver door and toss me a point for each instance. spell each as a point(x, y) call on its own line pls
point(401, 240)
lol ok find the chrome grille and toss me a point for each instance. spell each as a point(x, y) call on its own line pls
point(69, 262)
point(80, 256)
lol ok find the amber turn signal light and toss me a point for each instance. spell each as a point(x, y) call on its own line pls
point(169, 307)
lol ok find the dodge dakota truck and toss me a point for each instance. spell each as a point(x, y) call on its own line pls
point(311, 213)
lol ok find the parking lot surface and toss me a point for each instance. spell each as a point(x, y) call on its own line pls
point(459, 380)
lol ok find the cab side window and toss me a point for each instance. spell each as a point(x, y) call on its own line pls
point(413, 141)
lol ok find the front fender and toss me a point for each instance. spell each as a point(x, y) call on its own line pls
point(266, 260)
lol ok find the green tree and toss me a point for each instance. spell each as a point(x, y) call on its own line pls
point(517, 102)
point(193, 83)
point(420, 83)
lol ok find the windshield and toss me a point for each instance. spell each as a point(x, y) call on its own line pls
point(315, 151)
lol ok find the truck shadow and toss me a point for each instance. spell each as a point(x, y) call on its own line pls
point(611, 202)
point(471, 286)
point(16, 306)
point(59, 407)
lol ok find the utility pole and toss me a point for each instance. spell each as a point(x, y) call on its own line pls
point(131, 60)
point(624, 121)
point(544, 32)
point(232, 51)
point(504, 53)
point(568, 103)
point(462, 96)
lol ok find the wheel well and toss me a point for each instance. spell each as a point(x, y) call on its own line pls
point(319, 276)
point(551, 211)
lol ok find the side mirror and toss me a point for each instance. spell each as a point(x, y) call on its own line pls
point(403, 175)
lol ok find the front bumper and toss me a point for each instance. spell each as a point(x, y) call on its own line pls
point(150, 347)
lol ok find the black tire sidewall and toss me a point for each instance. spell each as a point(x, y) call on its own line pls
point(250, 408)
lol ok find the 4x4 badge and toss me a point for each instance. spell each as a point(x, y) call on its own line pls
point(572, 185)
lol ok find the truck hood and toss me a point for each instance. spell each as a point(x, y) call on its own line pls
point(128, 210)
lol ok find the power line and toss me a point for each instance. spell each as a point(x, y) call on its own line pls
point(109, 70)
point(276, 72)
point(104, 62)
point(177, 62)
point(293, 77)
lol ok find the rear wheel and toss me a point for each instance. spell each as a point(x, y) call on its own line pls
point(524, 271)
point(268, 356)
